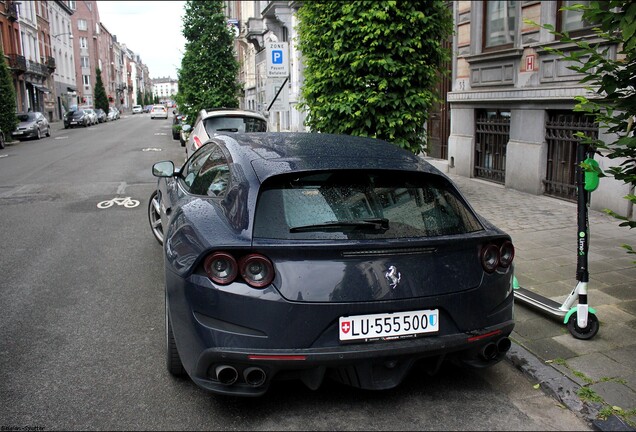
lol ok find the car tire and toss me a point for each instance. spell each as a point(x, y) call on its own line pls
point(48, 131)
point(173, 360)
point(154, 218)
point(38, 134)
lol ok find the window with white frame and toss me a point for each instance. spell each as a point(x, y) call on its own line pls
point(85, 62)
point(83, 42)
point(82, 25)
point(86, 79)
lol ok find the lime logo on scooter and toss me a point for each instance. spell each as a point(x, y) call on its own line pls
point(582, 243)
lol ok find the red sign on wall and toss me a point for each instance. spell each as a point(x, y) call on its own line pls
point(529, 62)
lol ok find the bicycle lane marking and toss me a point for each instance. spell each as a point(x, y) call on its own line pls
point(126, 202)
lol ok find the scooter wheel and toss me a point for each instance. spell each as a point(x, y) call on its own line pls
point(588, 332)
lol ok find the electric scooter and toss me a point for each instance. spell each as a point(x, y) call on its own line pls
point(581, 320)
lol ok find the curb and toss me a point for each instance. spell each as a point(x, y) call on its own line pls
point(562, 388)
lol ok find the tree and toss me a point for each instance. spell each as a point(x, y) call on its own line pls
point(140, 98)
point(8, 108)
point(101, 100)
point(612, 83)
point(371, 66)
point(209, 69)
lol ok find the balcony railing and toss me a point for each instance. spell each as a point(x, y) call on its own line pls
point(17, 63)
point(37, 68)
point(50, 64)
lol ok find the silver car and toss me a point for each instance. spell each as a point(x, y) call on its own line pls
point(92, 115)
point(32, 125)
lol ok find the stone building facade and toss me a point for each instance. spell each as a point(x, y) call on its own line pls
point(512, 101)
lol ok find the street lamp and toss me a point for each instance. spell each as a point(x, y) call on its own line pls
point(62, 34)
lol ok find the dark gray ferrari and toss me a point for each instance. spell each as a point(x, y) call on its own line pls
point(306, 255)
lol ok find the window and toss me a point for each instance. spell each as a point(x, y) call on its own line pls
point(81, 24)
point(570, 21)
point(86, 79)
point(499, 24)
point(85, 62)
point(375, 205)
point(208, 173)
point(72, 4)
point(234, 124)
point(83, 42)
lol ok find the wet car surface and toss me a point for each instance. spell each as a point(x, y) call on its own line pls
point(312, 256)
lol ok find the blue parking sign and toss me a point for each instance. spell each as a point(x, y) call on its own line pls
point(277, 56)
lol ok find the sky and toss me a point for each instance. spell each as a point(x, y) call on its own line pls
point(151, 29)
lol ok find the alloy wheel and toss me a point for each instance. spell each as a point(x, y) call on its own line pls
point(154, 217)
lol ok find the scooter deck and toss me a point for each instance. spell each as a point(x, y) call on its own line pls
point(539, 302)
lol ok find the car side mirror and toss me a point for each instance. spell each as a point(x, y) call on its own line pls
point(163, 169)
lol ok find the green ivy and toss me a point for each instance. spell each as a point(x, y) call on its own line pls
point(8, 119)
point(371, 67)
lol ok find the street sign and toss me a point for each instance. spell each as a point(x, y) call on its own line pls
point(272, 87)
point(233, 27)
point(277, 59)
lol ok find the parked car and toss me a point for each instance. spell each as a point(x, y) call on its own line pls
point(113, 113)
point(312, 255)
point(31, 124)
point(147, 108)
point(159, 111)
point(101, 115)
point(92, 116)
point(76, 117)
point(137, 109)
point(222, 120)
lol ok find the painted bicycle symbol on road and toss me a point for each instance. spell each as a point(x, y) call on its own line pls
point(126, 202)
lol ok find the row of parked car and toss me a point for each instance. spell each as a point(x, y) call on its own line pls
point(88, 116)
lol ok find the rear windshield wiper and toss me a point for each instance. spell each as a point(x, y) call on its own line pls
point(380, 224)
point(227, 130)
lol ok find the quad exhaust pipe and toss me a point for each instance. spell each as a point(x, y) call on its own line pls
point(254, 376)
point(228, 375)
point(491, 350)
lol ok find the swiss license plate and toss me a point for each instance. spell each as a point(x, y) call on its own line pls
point(388, 326)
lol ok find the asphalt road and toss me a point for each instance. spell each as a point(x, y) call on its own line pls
point(82, 315)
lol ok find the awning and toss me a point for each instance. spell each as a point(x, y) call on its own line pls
point(70, 89)
point(41, 88)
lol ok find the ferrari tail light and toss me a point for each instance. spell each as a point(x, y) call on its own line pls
point(257, 270)
point(490, 258)
point(494, 255)
point(221, 268)
point(197, 141)
point(506, 254)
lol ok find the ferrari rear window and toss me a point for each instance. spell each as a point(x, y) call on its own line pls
point(360, 205)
